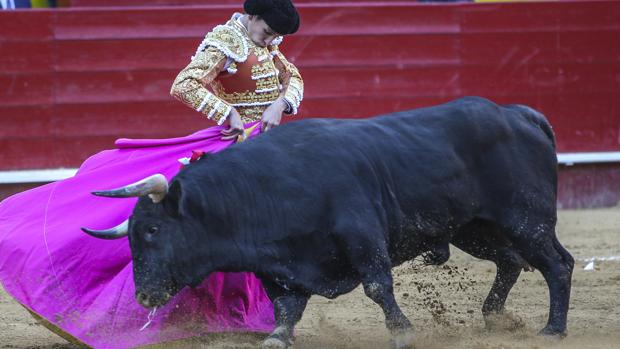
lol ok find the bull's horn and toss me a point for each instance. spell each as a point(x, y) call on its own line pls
point(110, 234)
point(155, 186)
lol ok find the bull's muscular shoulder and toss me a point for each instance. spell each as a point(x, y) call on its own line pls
point(228, 39)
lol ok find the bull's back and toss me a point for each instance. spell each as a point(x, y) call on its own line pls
point(469, 137)
point(442, 157)
point(462, 126)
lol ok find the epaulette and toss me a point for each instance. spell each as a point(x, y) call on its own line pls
point(228, 39)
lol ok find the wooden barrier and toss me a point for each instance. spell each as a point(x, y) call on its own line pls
point(75, 79)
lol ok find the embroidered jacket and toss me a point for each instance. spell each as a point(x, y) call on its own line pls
point(229, 70)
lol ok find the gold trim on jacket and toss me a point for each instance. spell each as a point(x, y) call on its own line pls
point(222, 51)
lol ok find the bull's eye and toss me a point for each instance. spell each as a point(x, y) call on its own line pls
point(153, 230)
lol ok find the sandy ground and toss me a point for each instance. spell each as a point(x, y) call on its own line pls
point(442, 302)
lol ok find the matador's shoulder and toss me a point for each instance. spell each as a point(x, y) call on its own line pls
point(229, 39)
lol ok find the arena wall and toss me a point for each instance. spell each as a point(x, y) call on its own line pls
point(75, 79)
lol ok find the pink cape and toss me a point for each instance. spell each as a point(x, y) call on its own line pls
point(83, 285)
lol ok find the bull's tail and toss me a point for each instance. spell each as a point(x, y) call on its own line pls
point(537, 119)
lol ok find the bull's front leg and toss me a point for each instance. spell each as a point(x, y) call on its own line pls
point(288, 309)
point(379, 288)
point(368, 254)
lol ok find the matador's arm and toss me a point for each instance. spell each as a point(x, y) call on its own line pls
point(293, 84)
point(191, 85)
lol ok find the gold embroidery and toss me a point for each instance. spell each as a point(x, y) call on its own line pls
point(232, 68)
point(190, 85)
point(240, 98)
point(262, 53)
point(264, 70)
point(249, 114)
point(217, 87)
point(267, 83)
point(230, 40)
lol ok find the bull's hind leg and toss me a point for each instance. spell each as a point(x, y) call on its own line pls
point(509, 265)
point(556, 265)
point(481, 240)
point(537, 243)
point(288, 309)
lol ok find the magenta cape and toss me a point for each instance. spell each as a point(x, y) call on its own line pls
point(83, 285)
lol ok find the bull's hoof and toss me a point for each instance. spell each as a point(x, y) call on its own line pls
point(527, 267)
point(437, 256)
point(403, 340)
point(503, 320)
point(552, 333)
point(276, 343)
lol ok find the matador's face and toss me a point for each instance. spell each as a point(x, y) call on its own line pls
point(260, 33)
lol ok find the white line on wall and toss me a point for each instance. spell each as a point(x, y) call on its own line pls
point(50, 175)
point(36, 176)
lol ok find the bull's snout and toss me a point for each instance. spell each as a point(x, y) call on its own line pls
point(149, 301)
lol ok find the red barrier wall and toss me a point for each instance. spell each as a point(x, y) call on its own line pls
point(73, 80)
point(150, 3)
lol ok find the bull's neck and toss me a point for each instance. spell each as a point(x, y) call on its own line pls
point(223, 239)
point(225, 252)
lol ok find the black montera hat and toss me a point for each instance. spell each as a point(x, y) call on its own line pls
point(280, 15)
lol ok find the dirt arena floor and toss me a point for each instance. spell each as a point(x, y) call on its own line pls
point(443, 303)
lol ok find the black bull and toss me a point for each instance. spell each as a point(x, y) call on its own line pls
point(320, 206)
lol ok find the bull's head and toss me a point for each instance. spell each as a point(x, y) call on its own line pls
point(154, 229)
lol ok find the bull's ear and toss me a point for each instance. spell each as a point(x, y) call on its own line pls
point(173, 202)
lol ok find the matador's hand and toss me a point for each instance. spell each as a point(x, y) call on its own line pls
point(235, 128)
point(273, 114)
